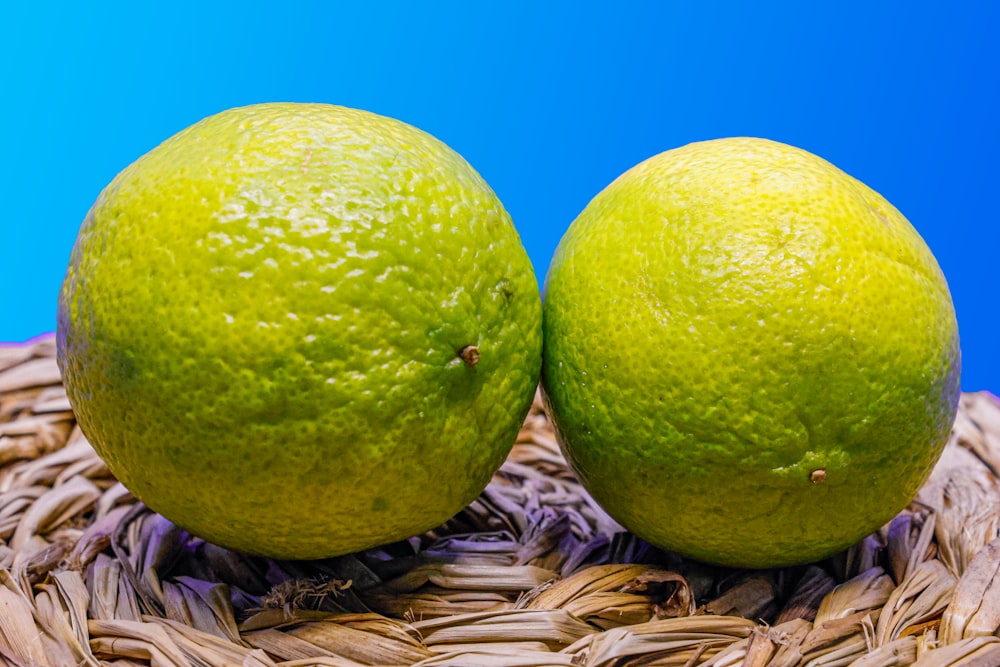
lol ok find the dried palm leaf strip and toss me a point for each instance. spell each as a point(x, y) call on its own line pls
point(369, 639)
point(139, 640)
point(971, 652)
point(974, 608)
point(324, 661)
point(866, 592)
point(15, 354)
point(61, 608)
point(53, 508)
point(112, 595)
point(38, 372)
point(201, 605)
point(920, 598)
point(611, 595)
point(514, 655)
point(978, 428)
point(210, 649)
point(20, 636)
point(897, 653)
point(672, 641)
point(555, 628)
point(909, 543)
point(434, 602)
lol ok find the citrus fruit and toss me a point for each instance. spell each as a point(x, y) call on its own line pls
point(300, 330)
point(751, 358)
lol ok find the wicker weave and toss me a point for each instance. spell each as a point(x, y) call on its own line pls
point(532, 573)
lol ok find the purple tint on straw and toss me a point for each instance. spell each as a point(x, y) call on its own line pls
point(31, 341)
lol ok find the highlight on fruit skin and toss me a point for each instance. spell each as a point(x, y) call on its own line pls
point(806, 367)
point(300, 330)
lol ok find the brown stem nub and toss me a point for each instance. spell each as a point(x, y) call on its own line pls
point(818, 476)
point(470, 355)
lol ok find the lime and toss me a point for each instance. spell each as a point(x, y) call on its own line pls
point(300, 330)
point(751, 358)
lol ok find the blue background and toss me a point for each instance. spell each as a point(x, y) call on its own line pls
point(549, 101)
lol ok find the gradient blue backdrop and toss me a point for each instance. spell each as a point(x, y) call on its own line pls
point(549, 101)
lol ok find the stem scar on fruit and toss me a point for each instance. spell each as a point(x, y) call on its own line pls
point(818, 476)
point(470, 355)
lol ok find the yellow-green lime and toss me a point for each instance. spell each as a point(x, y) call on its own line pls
point(300, 330)
point(751, 357)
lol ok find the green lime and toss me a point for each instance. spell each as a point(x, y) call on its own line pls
point(300, 330)
point(751, 357)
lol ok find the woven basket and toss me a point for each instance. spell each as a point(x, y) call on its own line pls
point(531, 574)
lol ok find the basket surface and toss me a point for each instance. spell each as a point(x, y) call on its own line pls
point(531, 574)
